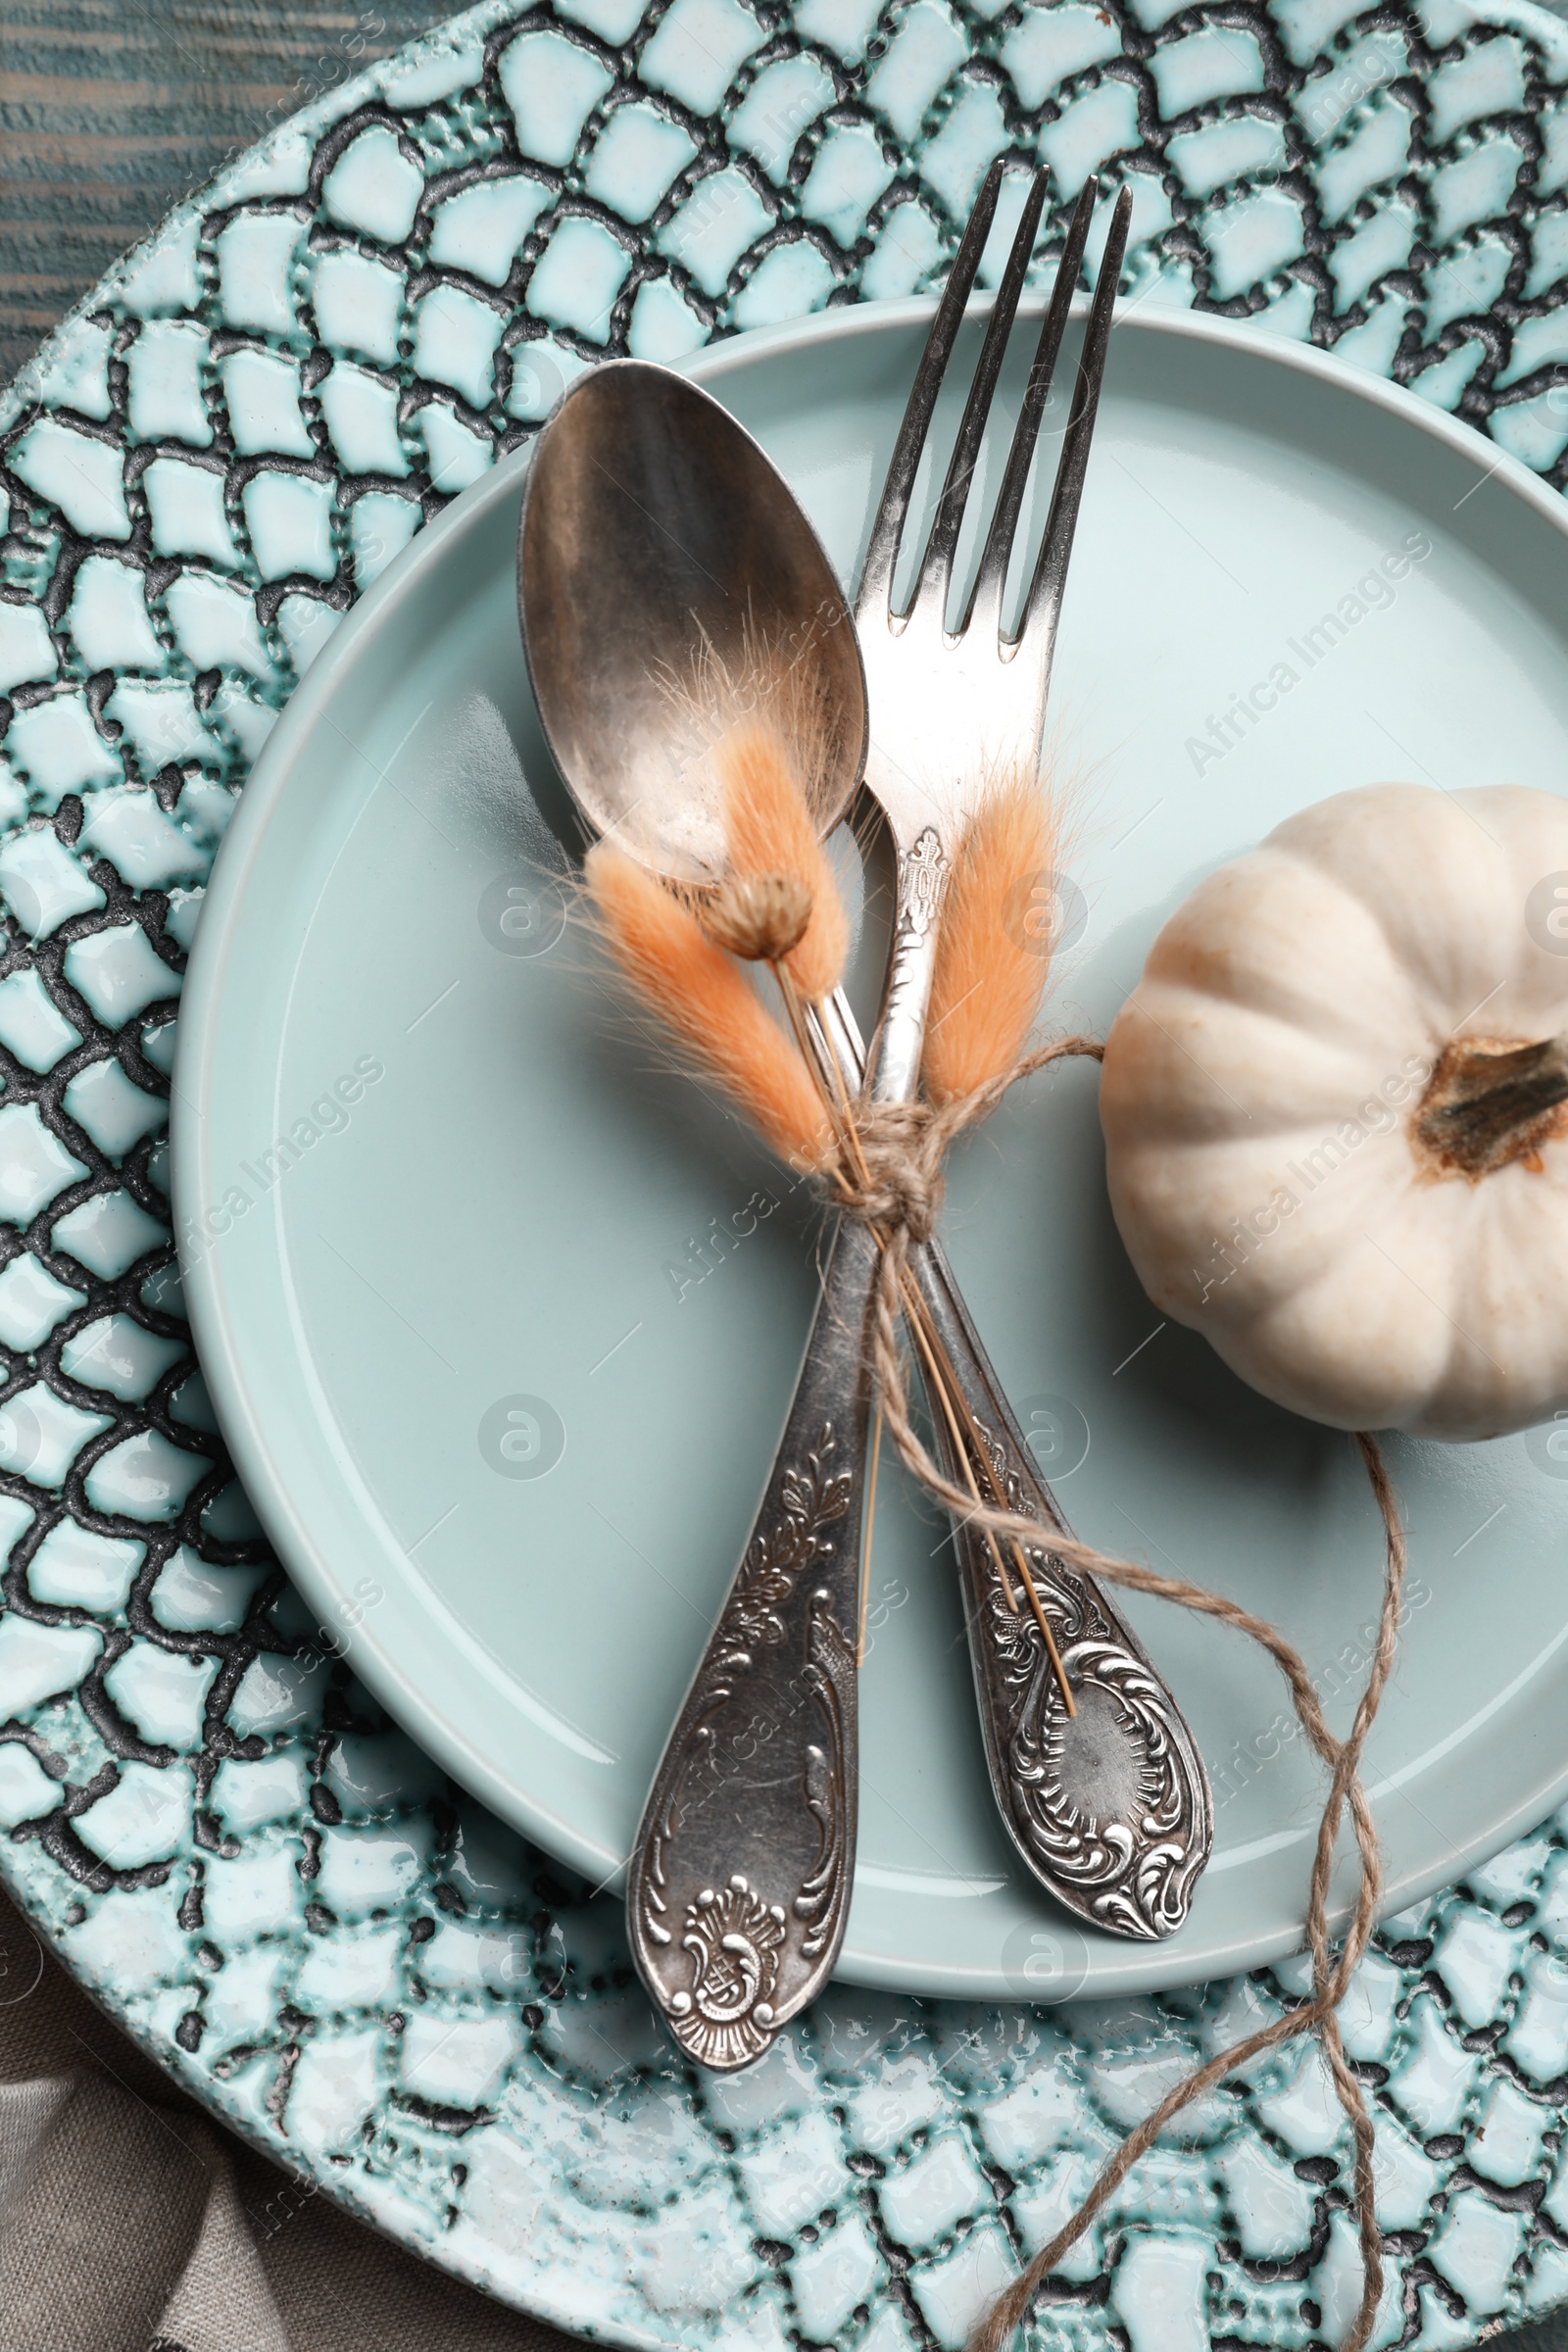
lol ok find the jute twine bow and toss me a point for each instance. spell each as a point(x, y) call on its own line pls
point(902, 1148)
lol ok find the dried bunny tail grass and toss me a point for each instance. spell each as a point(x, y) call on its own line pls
point(704, 1000)
point(774, 683)
point(770, 830)
point(992, 965)
point(760, 917)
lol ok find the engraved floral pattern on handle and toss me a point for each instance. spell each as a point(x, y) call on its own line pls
point(741, 1874)
point(830, 1676)
point(726, 2019)
point(1110, 1808)
point(923, 874)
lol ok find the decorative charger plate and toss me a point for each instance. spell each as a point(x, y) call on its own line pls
point(208, 1816)
point(503, 1351)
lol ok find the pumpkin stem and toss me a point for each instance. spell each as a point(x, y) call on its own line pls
point(1489, 1105)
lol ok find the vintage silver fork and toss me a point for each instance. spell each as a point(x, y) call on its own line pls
point(740, 1876)
point(1108, 1802)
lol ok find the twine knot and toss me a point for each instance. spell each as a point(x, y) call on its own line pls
point(899, 1184)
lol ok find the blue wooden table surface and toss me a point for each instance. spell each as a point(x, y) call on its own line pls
point(112, 110)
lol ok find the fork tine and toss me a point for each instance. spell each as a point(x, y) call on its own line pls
point(876, 577)
point(992, 579)
point(1042, 606)
point(936, 565)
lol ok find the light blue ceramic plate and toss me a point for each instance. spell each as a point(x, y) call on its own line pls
point(501, 1320)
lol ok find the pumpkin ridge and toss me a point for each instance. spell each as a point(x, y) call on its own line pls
point(1186, 954)
point(1351, 855)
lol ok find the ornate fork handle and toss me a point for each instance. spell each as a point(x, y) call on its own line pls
point(740, 1878)
point(1109, 1808)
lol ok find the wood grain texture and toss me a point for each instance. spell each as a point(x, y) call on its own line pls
point(110, 111)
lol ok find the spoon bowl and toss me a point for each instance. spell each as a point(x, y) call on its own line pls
point(668, 586)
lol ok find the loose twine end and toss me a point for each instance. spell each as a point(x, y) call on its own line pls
point(897, 1188)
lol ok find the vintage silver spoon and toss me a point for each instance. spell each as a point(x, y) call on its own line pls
point(653, 524)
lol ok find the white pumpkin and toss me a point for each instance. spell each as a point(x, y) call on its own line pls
point(1315, 1157)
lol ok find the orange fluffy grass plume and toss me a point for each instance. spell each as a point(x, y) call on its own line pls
point(703, 999)
point(994, 951)
point(769, 829)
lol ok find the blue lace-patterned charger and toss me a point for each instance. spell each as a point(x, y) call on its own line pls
point(268, 1884)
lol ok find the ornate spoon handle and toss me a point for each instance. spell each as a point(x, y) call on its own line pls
point(740, 1878)
point(1110, 1807)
